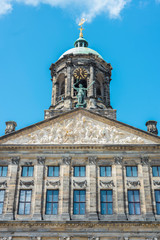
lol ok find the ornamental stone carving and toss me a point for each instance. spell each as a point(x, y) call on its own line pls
point(118, 160)
point(80, 184)
point(156, 183)
point(107, 184)
point(54, 184)
point(133, 183)
point(28, 163)
point(66, 160)
point(79, 129)
point(3, 184)
point(41, 160)
point(64, 238)
point(15, 160)
point(27, 183)
point(144, 161)
point(92, 160)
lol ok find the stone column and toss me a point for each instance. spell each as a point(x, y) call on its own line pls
point(107, 91)
point(68, 81)
point(147, 188)
point(120, 188)
point(12, 189)
point(93, 185)
point(66, 188)
point(39, 189)
point(54, 92)
point(91, 79)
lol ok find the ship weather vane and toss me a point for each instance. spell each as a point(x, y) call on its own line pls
point(83, 20)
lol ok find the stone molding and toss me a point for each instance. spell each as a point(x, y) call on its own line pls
point(93, 238)
point(80, 184)
point(3, 184)
point(15, 160)
point(66, 160)
point(106, 184)
point(27, 183)
point(118, 160)
point(156, 183)
point(53, 184)
point(64, 238)
point(133, 183)
point(144, 161)
point(92, 160)
point(28, 163)
point(5, 238)
point(41, 160)
point(35, 238)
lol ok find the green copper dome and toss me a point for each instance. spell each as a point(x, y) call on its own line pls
point(81, 47)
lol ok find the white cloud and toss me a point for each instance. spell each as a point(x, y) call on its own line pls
point(5, 7)
point(88, 8)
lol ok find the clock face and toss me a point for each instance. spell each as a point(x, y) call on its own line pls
point(80, 73)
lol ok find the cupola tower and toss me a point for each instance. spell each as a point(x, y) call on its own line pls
point(81, 79)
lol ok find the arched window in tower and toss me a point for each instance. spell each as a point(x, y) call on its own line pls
point(61, 87)
point(100, 86)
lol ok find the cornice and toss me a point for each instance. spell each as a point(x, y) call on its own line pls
point(72, 225)
point(63, 147)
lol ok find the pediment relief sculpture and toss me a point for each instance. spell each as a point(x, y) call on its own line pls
point(79, 129)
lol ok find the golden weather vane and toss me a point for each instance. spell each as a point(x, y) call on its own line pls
point(83, 20)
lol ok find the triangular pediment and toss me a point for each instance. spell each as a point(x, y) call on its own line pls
point(79, 127)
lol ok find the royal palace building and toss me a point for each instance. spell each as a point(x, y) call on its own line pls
point(80, 174)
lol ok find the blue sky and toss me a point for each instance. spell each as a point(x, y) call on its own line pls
point(34, 33)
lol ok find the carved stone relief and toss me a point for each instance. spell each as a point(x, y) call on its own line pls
point(28, 163)
point(3, 184)
point(80, 184)
point(67, 160)
point(144, 161)
point(54, 184)
point(156, 183)
point(79, 129)
point(5, 238)
point(27, 183)
point(41, 160)
point(133, 183)
point(106, 184)
point(118, 160)
point(15, 160)
point(92, 160)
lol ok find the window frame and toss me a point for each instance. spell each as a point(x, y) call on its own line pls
point(157, 169)
point(27, 171)
point(132, 171)
point(2, 202)
point(105, 170)
point(2, 170)
point(79, 171)
point(80, 202)
point(106, 202)
point(53, 171)
point(134, 202)
point(25, 202)
point(157, 202)
point(57, 202)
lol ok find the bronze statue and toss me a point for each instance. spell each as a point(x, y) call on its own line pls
point(81, 94)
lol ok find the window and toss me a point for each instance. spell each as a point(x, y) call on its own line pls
point(79, 202)
point(1, 200)
point(52, 202)
point(79, 171)
point(3, 171)
point(157, 197)
point(27, 171)
point(24, 202)
point(134, 202)
point(53, 171)
point(131, 171)
point(105, 171)
point(106, 202)
point(156, 171)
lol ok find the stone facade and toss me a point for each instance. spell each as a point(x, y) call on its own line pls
point(69, 139)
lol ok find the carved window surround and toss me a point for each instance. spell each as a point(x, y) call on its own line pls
point(81, 184)
point(27, 183)
point(108, 184)
point(133, 183)
point(53, 184)
point(3, 184)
